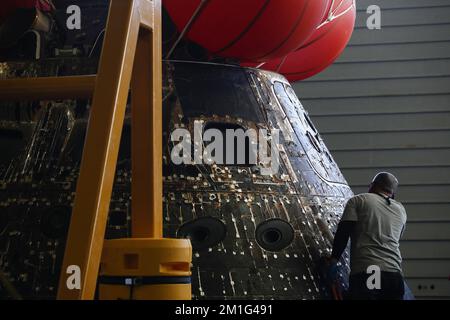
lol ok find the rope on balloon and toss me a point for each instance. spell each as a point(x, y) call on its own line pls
point(332, 13)
point(188, 26)
point(331, 16)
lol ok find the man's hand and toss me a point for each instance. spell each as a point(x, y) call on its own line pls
point(330, 269)
point(333, 270)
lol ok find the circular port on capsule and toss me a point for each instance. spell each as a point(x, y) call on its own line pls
point(274, 234)
point(205, 232)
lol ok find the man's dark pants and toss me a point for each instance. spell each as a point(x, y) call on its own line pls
point(392, 287)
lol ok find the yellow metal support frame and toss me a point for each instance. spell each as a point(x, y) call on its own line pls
point(131, 56)
point(133, 31)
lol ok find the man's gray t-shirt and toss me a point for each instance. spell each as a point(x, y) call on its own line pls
point(375, 240)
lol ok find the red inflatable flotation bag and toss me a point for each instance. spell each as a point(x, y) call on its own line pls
point(323, 48)
point(248, 30)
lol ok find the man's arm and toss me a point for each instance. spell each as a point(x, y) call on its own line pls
point(346, 226)
point(345, 229)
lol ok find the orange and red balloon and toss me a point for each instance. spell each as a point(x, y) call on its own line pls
point(248, 30)
point(322, 49)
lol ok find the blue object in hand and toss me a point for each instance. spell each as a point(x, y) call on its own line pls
point(332, 273)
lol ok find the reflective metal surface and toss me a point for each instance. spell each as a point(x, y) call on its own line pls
point(232, 203)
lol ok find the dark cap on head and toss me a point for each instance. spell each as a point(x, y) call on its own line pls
point(385, 181)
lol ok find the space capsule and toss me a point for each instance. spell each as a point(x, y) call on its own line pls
point(255, 235)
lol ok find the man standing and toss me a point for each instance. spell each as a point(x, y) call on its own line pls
point(374, 222)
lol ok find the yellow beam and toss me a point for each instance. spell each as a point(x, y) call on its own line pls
point(89, 216)
point(146, 128)
point(131, 50)
point(47, 88)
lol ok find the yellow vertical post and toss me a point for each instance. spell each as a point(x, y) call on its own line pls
point(93, 194)
point(147, 266)
point(131, 54)
point(146, 126)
